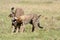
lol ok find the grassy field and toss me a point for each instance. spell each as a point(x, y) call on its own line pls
point(47, 8)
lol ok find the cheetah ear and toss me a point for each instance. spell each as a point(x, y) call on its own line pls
point(39, 16)
point(9, 15)
point(12, 8)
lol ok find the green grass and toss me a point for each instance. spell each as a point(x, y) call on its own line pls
point(47, 8)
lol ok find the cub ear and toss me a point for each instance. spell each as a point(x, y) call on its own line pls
point(18, 19)
point(15, 17)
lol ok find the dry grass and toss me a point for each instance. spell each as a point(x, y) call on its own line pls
point(50, 19)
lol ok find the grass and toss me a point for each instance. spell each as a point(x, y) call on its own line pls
point(47, 8)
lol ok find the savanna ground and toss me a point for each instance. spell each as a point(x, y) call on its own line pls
point(47, 8)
